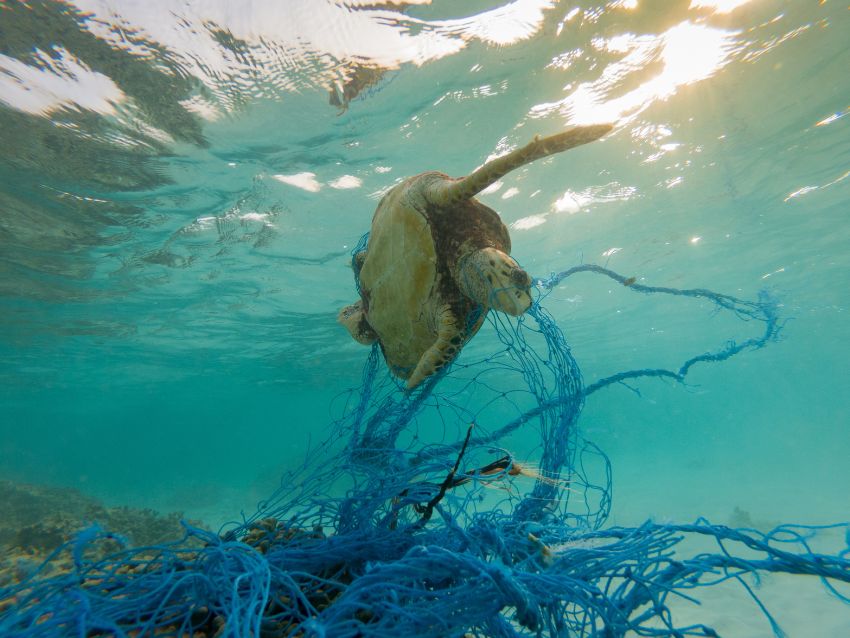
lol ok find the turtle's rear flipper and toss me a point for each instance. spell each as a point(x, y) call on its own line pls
point(442, 352)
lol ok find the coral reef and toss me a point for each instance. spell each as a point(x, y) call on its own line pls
point(36, 520)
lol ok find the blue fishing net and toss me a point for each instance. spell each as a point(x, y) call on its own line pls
point(422, 515)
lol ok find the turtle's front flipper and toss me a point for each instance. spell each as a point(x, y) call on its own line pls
point(448, 192)
point(442, 352)
point(354, 319)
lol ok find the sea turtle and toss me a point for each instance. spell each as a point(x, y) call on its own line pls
point(437, 260)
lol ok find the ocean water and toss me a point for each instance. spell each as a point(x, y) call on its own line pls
point(182, 185)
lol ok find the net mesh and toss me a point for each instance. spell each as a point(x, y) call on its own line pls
point(421, 515)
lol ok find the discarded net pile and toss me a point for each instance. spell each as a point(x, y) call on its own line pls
point(420, 516)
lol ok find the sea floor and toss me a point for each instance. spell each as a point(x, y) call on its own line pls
point(36, 520)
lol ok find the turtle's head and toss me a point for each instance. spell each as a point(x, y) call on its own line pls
point(495, 280)
point(354, 319)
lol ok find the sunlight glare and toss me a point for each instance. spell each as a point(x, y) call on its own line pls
point(531, 221)
point(719, 6)
point(306, 181)
point(689, 53)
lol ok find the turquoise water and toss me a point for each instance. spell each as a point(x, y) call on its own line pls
point(179, 200)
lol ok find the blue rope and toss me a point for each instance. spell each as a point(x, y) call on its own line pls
point(384, 531)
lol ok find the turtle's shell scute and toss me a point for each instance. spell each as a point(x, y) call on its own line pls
point(465, 227)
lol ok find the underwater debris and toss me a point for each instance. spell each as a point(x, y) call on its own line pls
point(338, 552)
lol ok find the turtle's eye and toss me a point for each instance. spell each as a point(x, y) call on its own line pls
point(520, 278)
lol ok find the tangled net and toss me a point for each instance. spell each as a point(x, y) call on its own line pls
point(384, 532)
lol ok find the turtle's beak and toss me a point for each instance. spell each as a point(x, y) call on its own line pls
point(514, 299)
